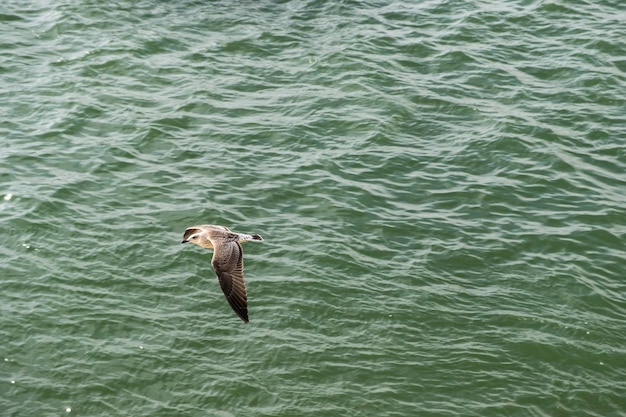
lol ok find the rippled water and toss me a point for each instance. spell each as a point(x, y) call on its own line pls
point(441, 187)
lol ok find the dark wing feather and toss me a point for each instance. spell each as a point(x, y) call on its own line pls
point(228, 265)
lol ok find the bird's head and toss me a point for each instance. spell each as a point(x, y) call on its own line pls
point(193, 235)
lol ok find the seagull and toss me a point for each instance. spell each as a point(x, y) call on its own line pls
point(227, 261)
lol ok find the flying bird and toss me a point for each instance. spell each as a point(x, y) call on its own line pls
point(227, 261)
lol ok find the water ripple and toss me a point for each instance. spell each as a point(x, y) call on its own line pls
point(439, 186)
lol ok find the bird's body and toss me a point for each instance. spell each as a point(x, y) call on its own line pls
point(227, 261)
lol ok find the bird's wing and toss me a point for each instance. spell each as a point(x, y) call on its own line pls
point(228, 265)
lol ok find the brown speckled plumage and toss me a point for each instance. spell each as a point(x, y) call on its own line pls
point(227, 261)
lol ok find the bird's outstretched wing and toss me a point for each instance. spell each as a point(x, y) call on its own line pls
point(228, 265)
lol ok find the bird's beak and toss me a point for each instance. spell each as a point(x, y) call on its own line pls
point(184, 241)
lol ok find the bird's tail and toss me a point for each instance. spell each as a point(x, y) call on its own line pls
point(245, 238)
